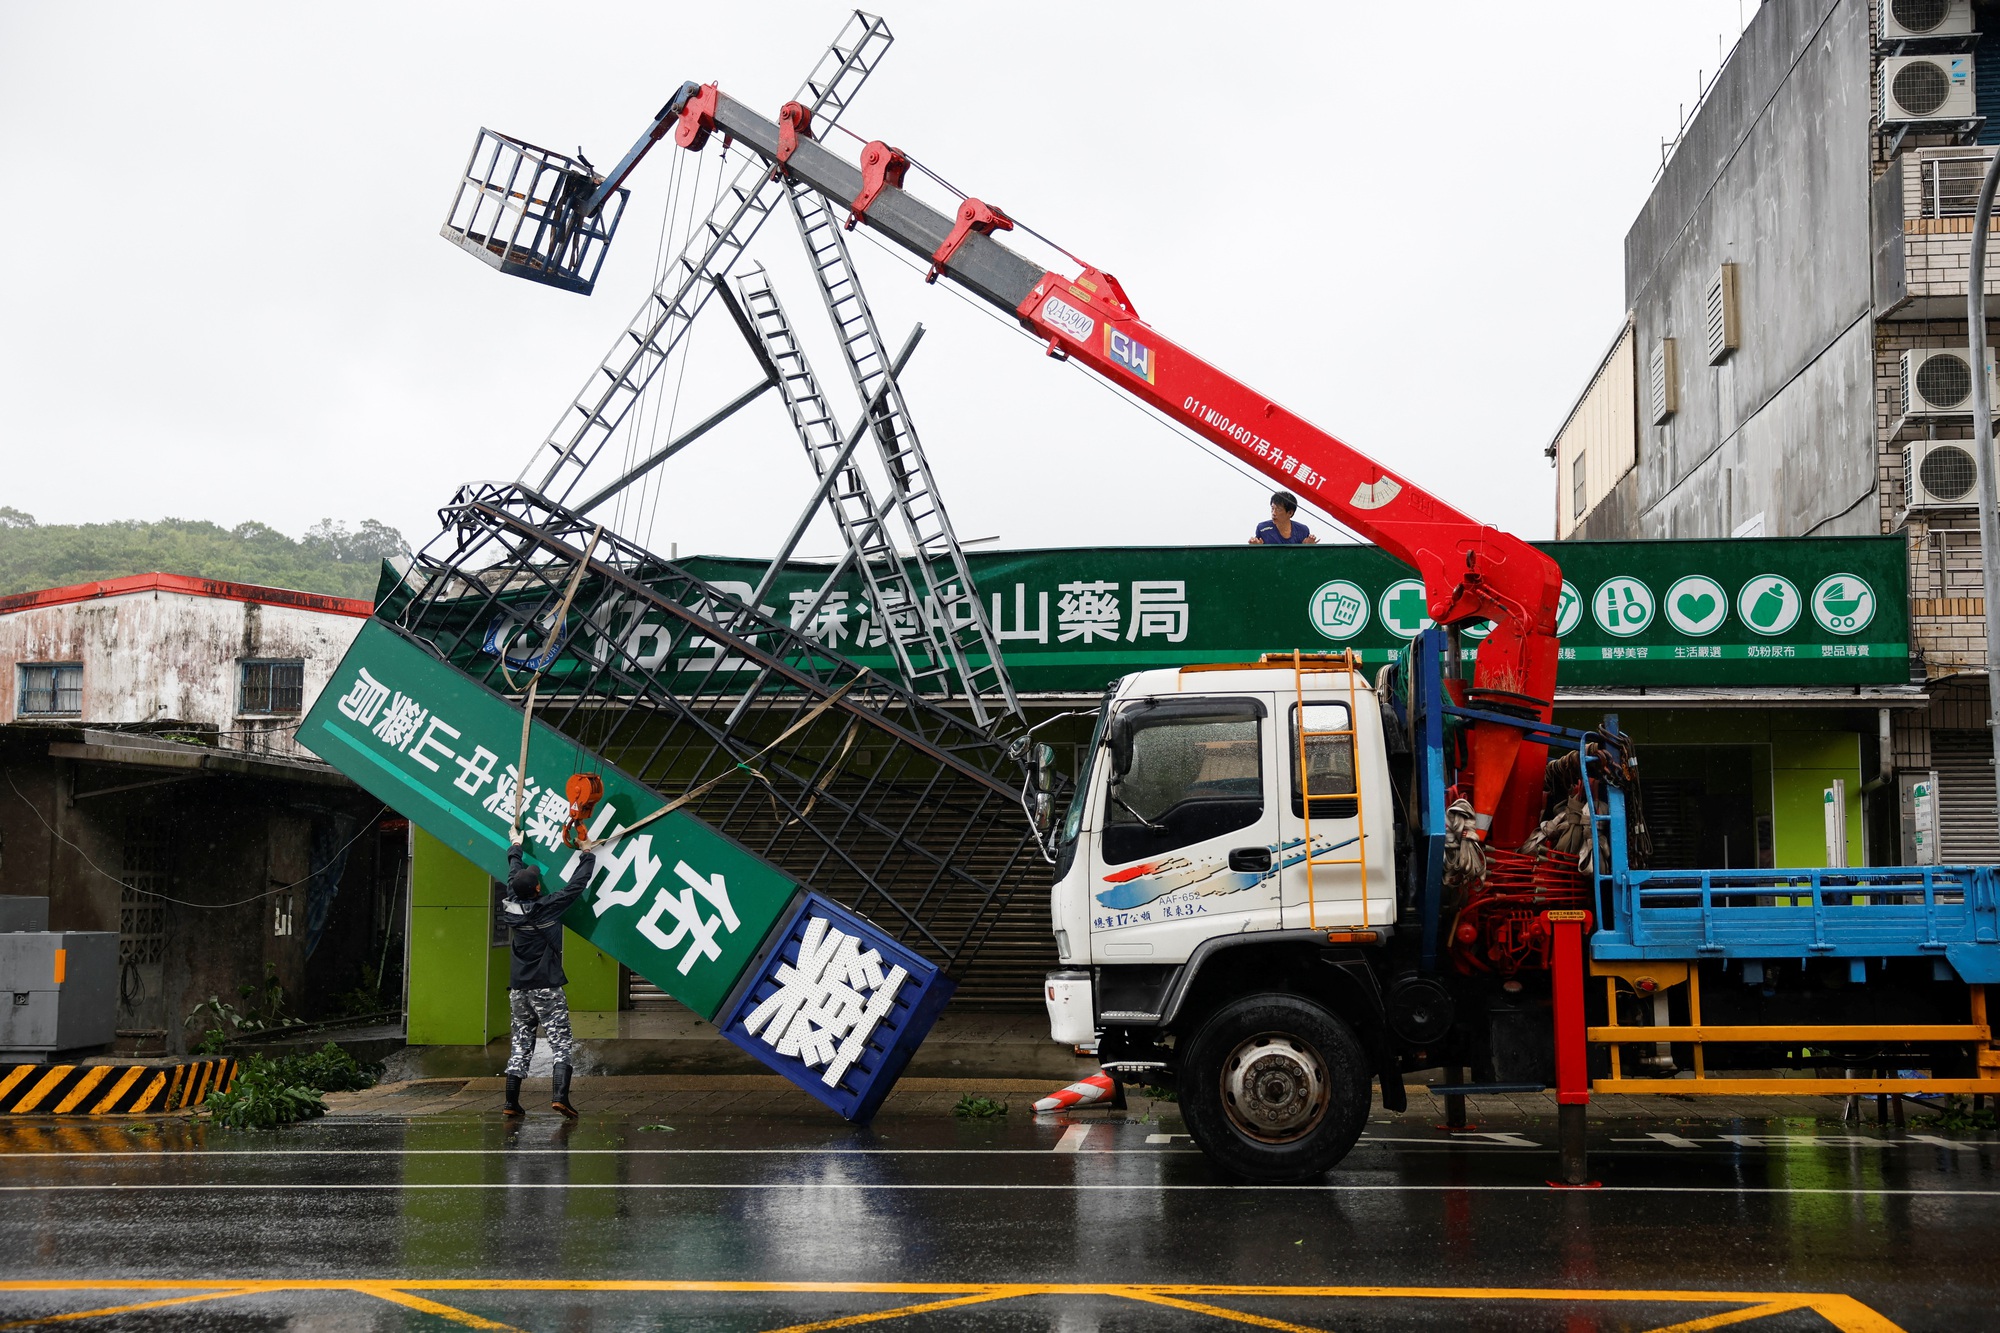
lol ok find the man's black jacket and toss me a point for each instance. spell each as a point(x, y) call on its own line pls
point(536, 926)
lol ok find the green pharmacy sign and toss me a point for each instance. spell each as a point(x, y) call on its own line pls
point(1773, 611)
point(680, 904)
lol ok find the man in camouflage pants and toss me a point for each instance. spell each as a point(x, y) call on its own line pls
point(535, 977)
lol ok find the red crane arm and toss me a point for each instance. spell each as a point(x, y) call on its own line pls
point(1471, 571)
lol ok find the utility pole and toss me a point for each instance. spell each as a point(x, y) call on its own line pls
point(1982, 453)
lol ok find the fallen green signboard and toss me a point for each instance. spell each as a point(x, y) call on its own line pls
point(680, 904)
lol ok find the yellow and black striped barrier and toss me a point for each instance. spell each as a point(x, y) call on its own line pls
point(110, 1089)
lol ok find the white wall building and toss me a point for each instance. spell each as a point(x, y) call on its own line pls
point(236, 664)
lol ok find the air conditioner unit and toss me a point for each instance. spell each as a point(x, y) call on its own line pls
point(1939, 474)
point(1903, 19)
point(1937, 382)
point(1917, 88)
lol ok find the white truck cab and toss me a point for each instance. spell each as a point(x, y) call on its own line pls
point(1228, 856)
point(1191, 819)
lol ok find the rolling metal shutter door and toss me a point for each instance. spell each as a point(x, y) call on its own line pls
point(1968, 831)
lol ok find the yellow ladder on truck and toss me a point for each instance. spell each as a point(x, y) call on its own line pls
point(1326, 663)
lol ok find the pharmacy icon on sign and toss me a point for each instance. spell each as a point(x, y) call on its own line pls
point(1339, 609)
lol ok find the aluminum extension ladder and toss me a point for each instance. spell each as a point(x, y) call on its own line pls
point(958, 625)
point(912, 639)
point(599, 408)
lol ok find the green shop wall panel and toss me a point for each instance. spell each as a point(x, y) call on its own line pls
point(454, 966)
point(679, 904)
point(593, 975)
point(448, 975)
point(496, 993)
point(440, 877)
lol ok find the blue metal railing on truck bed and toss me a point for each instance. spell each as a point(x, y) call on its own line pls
point(1944, 912)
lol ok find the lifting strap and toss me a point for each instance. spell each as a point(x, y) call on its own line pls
point(555, 629)
point(811, 715)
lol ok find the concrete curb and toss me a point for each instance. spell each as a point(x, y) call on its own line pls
point(111, 1089)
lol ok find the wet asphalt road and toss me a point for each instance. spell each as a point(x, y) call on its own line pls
point(945, 1211)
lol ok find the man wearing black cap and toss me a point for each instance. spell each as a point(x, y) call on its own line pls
point(535, 979)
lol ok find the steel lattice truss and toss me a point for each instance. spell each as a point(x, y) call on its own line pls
point(887, 802)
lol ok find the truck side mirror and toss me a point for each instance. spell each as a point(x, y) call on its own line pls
point(1045, 807)
point(1118, 739)
point(1042, 761)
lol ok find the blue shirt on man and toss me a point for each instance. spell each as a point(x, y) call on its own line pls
point(1267, 533)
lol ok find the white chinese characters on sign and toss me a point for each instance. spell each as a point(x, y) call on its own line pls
point(827, 1004)
point(361, 703)
point(688, 920)
point(1159, 606)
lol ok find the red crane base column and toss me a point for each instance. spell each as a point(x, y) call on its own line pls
point(1572, 1051)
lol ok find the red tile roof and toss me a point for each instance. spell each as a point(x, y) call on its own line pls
point(193, 587)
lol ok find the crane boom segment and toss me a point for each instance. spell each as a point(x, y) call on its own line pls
point(1471, 571)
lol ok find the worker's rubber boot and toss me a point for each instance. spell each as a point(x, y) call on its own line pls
point(512, 1110)
point(560, 1080)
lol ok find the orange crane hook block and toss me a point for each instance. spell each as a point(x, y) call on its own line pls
point(584, 790)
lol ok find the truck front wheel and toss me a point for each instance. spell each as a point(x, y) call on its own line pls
point(1275, 1088)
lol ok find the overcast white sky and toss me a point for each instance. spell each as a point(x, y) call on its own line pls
point(227, 298)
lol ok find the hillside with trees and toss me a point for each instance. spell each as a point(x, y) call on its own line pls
point(330, 558)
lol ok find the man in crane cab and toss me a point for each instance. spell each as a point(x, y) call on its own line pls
point(1283, 529)
point(535, 976)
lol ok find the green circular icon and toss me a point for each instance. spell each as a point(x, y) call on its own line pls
point(1569, 610)
point(1769, 604)
point(1339, 609)
point(1697, 605)
point(1405, 609)
point(1843, 604)
point(1622, 606)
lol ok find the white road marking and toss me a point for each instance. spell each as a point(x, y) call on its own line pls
point(845, 1186)
point(1807, 1141)
point(1072, 1139)
point(141, 1154)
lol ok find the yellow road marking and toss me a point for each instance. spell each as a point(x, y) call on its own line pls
point(905, 1311)
point(105, 1102)
point(127, 1309)
point(1218, 1312)
point(90, 1079)
point(1843, 1312)
point(1729, 1317)
point(397, 1296)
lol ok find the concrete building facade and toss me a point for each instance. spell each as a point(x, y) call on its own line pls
point(1800, 260)
point(149, 785)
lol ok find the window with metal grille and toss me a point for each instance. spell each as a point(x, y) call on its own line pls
point(1662, 372)
point(277, 686)
point(51, 689)
point(1721, 327)
point(1576, 491)
point(1951, 185)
